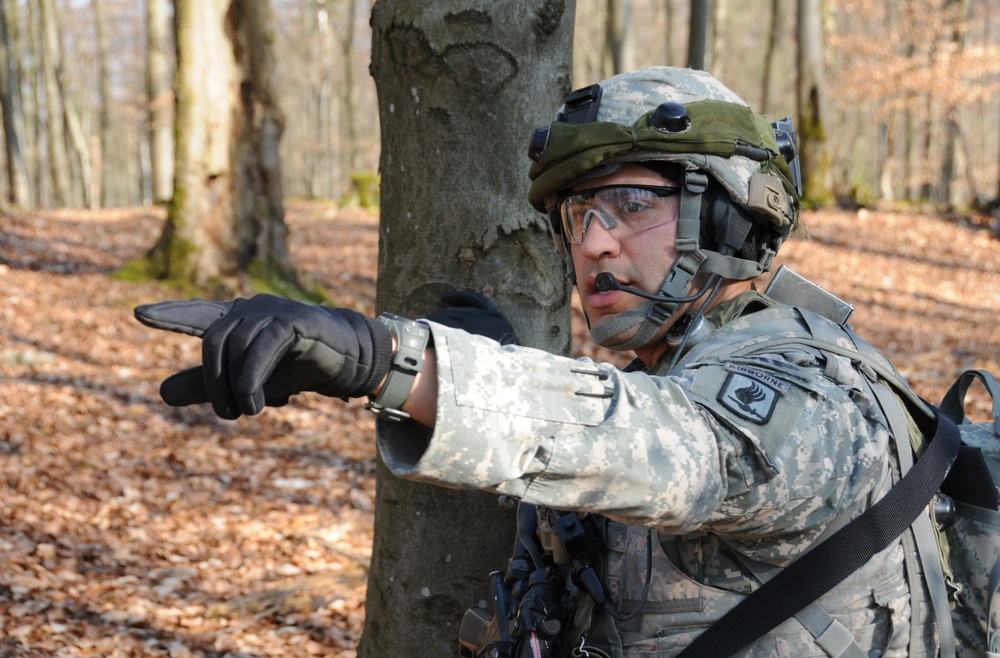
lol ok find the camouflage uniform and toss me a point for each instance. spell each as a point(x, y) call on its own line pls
point(731, 463)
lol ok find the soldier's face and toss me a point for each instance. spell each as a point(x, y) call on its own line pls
point(638, 257)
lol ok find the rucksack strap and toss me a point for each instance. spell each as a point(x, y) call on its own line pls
point(828, 563)
point(832, 637)
point(953, 402)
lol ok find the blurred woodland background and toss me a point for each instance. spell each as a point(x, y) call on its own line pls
point(162, 148)
point(910, 91)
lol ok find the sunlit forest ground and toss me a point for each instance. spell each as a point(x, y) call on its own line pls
point(128, 528)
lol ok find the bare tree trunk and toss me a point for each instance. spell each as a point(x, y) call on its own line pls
point(927, 191)
point(811, 101)
point(18, 188)
point(160, 100)
point(701, 10)
point(260, 214)
point(908, 136)
point(322, 174)
point(960, 12)
point(226, 216)
point(461, 85)
point(668, 32)
point(715, 61)
point(104, 125)
point(618, 41)
point(885, 158)
point(348, 121)
point(771, 50)
point(81, 148)
point(51, 60)
point(40, 172)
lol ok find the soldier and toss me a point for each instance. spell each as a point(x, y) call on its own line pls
point(699, 471)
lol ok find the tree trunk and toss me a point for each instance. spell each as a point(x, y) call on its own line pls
point(34, 73)
point(226, 216)
point(618, 39)
point(461, 86)
point(104, 125)
point(18, 188)
point(81, 147)
point(927, 191)
point(668, 32)
point(348, 120)
point(51, 60)
point(715, 61)
point(771, 50)
point(701, 10)
point(960, 11)
point(811, 93)
point(322, 175)
point(160, 99)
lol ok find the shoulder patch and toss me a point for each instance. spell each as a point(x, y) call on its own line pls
point(750, 397)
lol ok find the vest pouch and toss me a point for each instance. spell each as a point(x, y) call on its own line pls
point(678, 608)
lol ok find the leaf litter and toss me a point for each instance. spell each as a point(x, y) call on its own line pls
point(128, 528)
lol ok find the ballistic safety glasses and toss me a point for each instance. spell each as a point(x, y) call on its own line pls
point(621, 209)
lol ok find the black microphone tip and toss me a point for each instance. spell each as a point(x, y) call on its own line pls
point(605, 282)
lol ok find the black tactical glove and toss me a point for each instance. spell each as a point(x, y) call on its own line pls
point(258, 352)
point(476, 314)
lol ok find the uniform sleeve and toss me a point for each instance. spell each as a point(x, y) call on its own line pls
point(573, 434)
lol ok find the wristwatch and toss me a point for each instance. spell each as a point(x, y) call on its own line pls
point(411, 340)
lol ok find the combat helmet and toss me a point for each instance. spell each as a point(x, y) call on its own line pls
point(738, 174)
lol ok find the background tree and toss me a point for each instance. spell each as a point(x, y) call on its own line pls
point(19, 190)
point(701, 10)
point(103, 141)
point(770, 53)
point(668, 32)
point(462, 84)
point(350, 157)
point(959, 18)
point(226, 216)
point(619, 48)
point(51, 63)
point(811, 104)
point(894, 72)
point(159, 99)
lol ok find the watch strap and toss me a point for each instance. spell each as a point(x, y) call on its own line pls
point(408, 360)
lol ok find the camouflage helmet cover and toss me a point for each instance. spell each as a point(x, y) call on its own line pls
point(722, 130)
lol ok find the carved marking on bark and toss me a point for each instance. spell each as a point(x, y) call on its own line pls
point(468, 17)
point(481, 68)
point(548, 17)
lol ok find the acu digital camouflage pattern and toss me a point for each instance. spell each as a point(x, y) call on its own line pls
point(629, 96)
point(669, 453)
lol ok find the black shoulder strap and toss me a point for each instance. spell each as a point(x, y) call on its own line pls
point(827, 564)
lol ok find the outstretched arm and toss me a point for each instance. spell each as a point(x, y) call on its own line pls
point(260, 351)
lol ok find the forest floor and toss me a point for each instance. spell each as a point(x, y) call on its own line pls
point(128, 528)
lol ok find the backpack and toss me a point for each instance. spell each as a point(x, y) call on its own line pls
point(962, 568)
point(974, 534)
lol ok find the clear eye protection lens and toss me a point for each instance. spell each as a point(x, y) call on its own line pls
point(620, 209)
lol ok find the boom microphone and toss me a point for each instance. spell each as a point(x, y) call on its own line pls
point(605, 282)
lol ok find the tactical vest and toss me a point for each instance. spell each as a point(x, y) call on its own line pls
point(884, 608)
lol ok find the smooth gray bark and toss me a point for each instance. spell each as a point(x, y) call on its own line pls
point(461, 84)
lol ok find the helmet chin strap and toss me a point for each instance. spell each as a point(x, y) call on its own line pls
point(652, 315)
